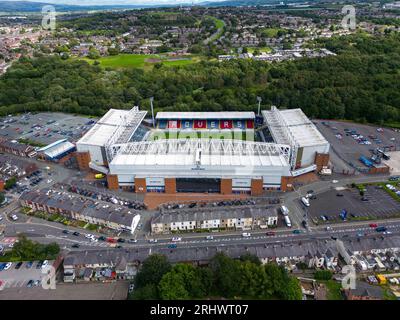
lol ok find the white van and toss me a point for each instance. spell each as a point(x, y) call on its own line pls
point(305, 201)
point(284, 210)
point(288, 222)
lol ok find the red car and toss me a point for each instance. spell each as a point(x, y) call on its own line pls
point(373, 225)
point(270, 233)
point(111, 240)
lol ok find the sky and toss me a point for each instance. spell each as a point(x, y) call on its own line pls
point(115, 2)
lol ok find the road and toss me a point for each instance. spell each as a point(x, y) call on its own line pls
point(45, 231)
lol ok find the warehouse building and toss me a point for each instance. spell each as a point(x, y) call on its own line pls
point(57, 150)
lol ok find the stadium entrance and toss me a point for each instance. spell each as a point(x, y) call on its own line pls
point(198, 185)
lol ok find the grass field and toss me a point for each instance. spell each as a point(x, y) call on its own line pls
point(262, 49)
point(156, 135)
point(141, 61)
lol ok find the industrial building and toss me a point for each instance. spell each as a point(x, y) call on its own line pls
point(120, 145)
point(57, 150)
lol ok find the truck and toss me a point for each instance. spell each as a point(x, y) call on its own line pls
point(288, 222)
point(366, 161)
point(325, 171)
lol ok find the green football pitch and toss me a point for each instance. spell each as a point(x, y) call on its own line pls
point(235, 135)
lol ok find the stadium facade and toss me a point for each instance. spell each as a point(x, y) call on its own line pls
point(218, 152)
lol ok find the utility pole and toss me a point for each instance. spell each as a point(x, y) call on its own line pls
point(152, 110)
point(259, 105)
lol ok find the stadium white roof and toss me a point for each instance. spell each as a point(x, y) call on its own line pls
point(116, 125)
point(292, 127)
point(216, 155)
point(228, 115)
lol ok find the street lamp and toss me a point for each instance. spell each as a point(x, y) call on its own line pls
point(259, 104)
point(152, 110)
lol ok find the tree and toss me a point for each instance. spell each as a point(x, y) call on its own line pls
point(152, 270)
point(293, 290)
point(2, 197)
point(323, 275)
point(172, 287)
point(10, 183)
point(148, 292)
point(226, 272)
point(253, 280)
point(250, 257)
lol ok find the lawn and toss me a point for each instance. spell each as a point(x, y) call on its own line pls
point(262, 49)
point(141, 61)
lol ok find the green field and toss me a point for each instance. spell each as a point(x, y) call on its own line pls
point(262, 49)
point(141, 61)
point(156, 135)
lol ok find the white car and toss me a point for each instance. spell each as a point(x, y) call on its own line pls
point(335, 181)
point(246, 234)
point(45, 264)
point(209, 238)
point(14, 217)
point(88, 236)
point(8, 265)
point(176, 239)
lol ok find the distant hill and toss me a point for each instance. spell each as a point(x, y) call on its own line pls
point(26, 6)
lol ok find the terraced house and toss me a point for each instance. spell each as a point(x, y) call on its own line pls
point(82, 209)
point(205, 219)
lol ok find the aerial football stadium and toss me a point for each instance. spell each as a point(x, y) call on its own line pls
point(213, 152)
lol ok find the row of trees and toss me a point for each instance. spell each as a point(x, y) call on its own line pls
point(223, 277)
point(28, 250)
point(361, 83)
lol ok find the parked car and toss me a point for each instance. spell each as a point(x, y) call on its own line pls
point(270, 233)
point(45, 264)
point(121, 240)
point(209, 238)
point(30, 283)
point(29, 264)
point(176, 239)
point(18, 265)
point(76, 233)
point(373, 225)
point(172, 246)
point(75, 245)
point(297, 231)
point(8, 265)
point(102, 238)
point(66, 231)
point(246, 234)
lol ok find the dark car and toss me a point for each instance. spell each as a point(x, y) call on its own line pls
point(76, 233)
point(304, 223)
point(102, 238)
point(18, 265)
point(30, 283)
point(270, 233)
point(192, 205)
point(121, 240)
point(29, 264)
point(339, 194)
point(297, 231)
point(364, 199)
point(39, 264)
point(66, 231)
point(75, 245)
